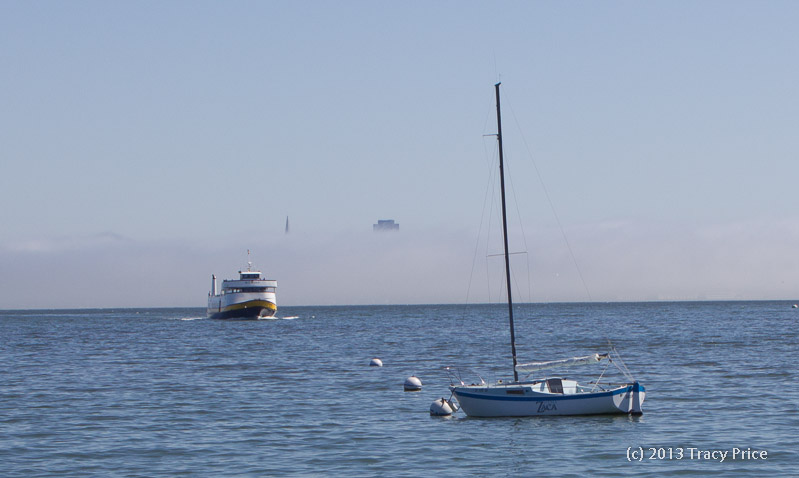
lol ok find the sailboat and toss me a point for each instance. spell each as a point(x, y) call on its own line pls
point(550, 395)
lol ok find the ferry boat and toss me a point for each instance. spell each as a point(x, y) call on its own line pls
point(248, 297)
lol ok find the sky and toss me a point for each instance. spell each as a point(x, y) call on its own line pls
point(651, 148)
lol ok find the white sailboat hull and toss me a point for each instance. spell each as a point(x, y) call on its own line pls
point(520, 400)
point(553, 395)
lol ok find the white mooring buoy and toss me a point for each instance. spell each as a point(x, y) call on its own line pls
point(413, 384)
point(376, 362)
point(440, 408)
point(795, 306)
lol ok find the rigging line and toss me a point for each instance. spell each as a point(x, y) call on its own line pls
point(552, 206)
point(490, 187)
point(489, 115)
point(477, 245)
point(518, 289)
point(618, 362)
point(521, 226)
point(596, 384)
point(483, 212)
point(515, 284)
point(516, 201)
point(623, 367)
point(515, 279)
point(491, 212)
point(508, 166)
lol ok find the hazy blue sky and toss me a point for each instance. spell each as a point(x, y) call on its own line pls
point(146, 145)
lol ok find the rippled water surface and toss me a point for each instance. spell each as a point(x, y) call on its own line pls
point(165, 392)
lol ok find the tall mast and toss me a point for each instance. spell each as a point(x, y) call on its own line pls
point(505, 237)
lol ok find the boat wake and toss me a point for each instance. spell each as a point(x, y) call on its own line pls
point(192, 318)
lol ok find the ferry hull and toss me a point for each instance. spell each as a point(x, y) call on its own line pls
point(254, 309)
point(504, 402)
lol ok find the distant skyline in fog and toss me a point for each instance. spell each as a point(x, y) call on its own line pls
point(146, 146)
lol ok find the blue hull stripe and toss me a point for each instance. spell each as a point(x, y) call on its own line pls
point(538, 398)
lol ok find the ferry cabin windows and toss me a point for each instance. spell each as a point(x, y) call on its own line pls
point(247, 289)
point(250, 275)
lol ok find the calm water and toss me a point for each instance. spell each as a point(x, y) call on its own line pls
point(165, 392)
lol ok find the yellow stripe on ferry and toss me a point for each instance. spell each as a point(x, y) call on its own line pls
point(251, 303)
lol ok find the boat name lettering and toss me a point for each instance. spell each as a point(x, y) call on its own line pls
point(546, 407)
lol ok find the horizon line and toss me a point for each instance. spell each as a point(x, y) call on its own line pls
point(581, 302)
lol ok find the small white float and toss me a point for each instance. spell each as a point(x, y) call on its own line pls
point(376, 362)
point(413, 384)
